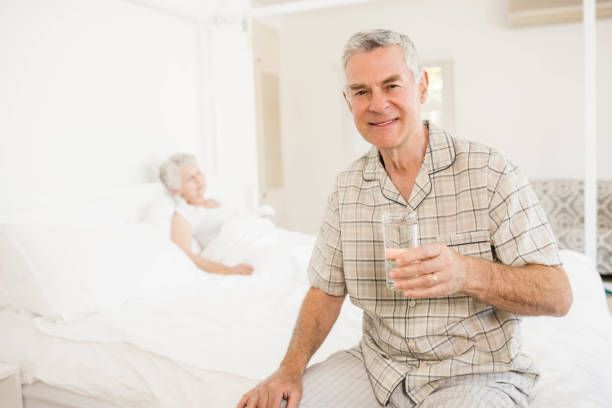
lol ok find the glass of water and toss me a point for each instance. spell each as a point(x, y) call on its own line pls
point(400, 231)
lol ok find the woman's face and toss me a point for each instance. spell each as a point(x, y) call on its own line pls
point(193, 184)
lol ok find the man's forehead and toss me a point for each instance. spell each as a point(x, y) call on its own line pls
point(377, 65)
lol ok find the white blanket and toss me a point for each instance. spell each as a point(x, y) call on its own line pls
point(274, 252)
point(234, 324)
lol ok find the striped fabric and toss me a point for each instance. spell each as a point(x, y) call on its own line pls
point(500, 390)
point(472, 199)
point(342, 381)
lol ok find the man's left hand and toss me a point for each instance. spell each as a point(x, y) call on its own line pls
point(430, 270)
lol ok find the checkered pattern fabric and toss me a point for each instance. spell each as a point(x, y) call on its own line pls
point(466, 196)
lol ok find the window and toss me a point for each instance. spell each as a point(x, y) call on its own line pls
point(439, 107)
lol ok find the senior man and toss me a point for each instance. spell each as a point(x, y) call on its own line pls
point(449, 335)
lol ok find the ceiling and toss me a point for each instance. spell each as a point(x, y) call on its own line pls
point(203, 10)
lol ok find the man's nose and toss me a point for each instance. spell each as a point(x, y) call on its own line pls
point(378, 101)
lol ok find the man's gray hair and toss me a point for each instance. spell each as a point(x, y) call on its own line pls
point(170, 170)
point(369, 40)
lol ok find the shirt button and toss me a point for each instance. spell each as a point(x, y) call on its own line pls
point(412, 303)
point(412, 344)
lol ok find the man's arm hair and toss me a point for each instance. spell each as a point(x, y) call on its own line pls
point(528, 290)
point(317, 316)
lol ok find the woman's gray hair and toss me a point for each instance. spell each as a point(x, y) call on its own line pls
point(170, 170)
point(369, 40)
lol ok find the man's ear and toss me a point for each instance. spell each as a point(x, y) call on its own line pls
point(423, 87)
point(348, 103)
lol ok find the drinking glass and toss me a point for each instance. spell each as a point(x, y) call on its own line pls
point(400, 231)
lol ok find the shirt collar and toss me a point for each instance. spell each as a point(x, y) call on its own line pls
point(439, 155)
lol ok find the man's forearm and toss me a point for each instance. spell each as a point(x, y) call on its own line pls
point(525, 290)
point(317, 316)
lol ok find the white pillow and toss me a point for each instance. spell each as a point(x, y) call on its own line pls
point(67, 272)
point(159, 215)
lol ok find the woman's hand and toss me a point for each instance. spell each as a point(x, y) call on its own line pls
point(181, 235)
point(240, 269)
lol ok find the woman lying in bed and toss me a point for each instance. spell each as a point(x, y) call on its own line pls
point(195, 217)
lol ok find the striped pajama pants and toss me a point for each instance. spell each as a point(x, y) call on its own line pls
point(341, 381)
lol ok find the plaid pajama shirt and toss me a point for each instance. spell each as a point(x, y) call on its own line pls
point(467, 196)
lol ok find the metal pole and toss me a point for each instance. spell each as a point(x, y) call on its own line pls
point(590, 131)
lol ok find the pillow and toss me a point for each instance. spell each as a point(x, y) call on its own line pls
point(159, 215)
point(587, 288)
point(67, 272)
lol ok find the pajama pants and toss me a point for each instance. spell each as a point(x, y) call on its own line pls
point(342, 381)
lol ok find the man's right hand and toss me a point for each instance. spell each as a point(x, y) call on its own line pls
point(285, 383)
point(317, 316)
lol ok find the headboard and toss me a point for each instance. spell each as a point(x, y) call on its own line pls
point(563, 202)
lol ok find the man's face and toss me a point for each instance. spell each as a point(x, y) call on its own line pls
point(384, 97)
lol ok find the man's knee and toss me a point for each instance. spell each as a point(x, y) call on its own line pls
point(339, 381)
point(474, 392)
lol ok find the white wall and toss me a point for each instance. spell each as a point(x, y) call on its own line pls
point(92, 94)
point(230, 78)
point(519, 90)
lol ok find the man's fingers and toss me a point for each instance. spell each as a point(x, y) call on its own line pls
point(277, 400)
point(423, 281)
point(294, 400)
point(411, 255)
point(252, 400)
point(263, 401)
point(243, 400)
point(425, 293)
point(417, 269)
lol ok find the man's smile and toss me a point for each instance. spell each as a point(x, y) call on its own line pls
point(383, 123)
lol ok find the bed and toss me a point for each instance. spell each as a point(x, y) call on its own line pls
point(114, 331)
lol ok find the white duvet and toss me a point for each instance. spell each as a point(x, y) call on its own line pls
point(275, 253)
point(224, 333)
point(219, 322)
point(236, 324)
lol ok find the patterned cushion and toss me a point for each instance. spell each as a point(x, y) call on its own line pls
point(563, 201)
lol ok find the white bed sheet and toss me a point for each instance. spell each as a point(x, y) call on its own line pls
point(118, 373)
point(41, 395)
point(200, 359)
point(574, 352)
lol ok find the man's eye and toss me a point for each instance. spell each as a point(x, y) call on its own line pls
point(391, 86)
point(358, 93)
